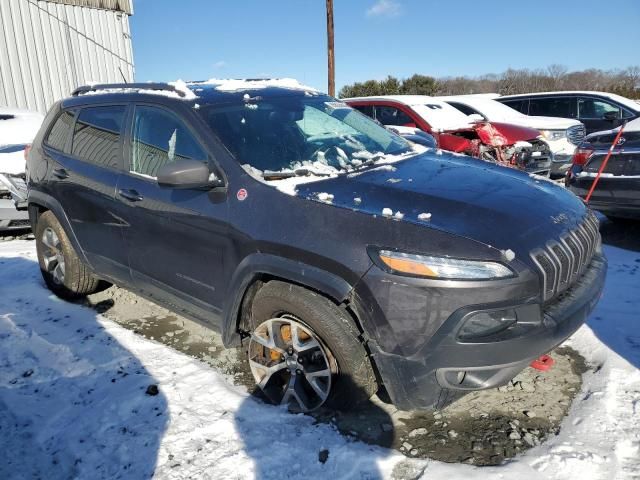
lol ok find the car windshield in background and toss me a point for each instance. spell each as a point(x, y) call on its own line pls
point(314, 134)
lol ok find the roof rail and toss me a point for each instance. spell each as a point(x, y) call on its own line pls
point(126, 86)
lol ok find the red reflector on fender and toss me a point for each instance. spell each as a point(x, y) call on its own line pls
point(543, 363)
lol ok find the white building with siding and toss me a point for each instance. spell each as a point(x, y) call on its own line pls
point(50, 47)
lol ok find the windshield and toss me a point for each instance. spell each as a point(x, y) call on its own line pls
point(494, 110)
point(317, 133)
point(441, 116)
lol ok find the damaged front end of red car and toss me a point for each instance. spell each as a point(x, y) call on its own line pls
point(502, 143)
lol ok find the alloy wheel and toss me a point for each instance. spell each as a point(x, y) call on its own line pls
point(52, 255)
point(290, 364)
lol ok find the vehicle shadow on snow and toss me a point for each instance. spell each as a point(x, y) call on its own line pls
point(615, 319)
point(284, 444)
point(74, 403)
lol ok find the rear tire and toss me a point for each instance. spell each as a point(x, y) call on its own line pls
point(354, 381)
point(62, 269)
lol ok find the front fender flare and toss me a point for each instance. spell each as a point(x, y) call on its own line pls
point(257, 264)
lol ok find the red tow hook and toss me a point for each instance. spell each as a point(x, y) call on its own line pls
point(543, 363)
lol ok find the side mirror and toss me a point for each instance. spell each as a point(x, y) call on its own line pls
point(476, 117)
point(611, 116)
point(187, 174)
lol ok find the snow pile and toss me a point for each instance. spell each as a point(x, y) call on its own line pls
point(20, 126)
point(77, 400)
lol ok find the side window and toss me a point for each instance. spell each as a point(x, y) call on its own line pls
point(594, 109)
point(564, 107)
point(96, 136)
point(366, 109)
point(60, 131)
point(392, 116)
point(159, 138)
point(520, 105)
point(627, 114)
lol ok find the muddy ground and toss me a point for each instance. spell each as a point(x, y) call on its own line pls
point(483, 428)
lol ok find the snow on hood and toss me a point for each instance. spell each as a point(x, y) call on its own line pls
point(235, 85)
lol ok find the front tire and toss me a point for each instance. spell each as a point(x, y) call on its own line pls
point(62, 269)
point(304, 350)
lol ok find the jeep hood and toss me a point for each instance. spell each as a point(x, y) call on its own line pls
point(497, 206)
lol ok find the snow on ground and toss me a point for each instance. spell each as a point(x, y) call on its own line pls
point(77, 400)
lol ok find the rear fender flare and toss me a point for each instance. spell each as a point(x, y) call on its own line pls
point(40, 199)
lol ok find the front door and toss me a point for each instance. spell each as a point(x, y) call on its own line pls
point(598, 115)
point(176, 238)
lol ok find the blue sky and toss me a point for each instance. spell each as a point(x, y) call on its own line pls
point(200, 39)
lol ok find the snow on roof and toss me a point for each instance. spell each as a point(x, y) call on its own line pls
point(618, 98)
point(235, 85)
point(409, 100)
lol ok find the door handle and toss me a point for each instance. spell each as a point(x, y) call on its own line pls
point(130, 194)
point(60, 173)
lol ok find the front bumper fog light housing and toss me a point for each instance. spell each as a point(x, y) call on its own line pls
point(484, 324)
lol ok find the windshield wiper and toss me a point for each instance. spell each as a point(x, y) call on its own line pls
point(298, 172)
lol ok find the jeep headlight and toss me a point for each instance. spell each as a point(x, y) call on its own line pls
point(554, 134)
point(446, 268)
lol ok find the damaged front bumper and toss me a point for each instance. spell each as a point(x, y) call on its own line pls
point(445, 367)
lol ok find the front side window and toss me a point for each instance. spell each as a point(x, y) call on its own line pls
point(159, 137)
point(366, 109)
point(563, 107)
point(282, 133)
point(60, 131)
point(594, 109)
point(96, 136)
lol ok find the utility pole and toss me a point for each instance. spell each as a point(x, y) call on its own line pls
point(331, 61)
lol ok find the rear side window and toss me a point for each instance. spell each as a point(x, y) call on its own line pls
point(564, 107)
point(520, 105)
point(60, 131)
point(366, 109)
point(96, 136)
point(160, 138)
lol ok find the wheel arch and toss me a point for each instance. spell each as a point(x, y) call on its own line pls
point(40, 202)
point(259, 268)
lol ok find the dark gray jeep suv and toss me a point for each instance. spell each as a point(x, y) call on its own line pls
point(341, 257)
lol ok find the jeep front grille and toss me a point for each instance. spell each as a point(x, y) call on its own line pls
point(563, 261)
point(576, 134)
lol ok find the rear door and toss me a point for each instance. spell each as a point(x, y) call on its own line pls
point(556, 106)
point(84, 168)
point(176, 238)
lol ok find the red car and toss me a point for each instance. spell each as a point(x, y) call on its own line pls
point(503, 143)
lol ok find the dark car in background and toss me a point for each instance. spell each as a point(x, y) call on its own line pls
point(617, 193)
point(596, 110)
point(340, 257)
